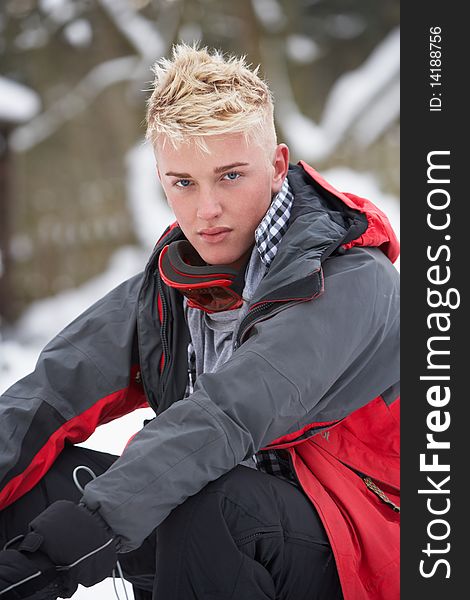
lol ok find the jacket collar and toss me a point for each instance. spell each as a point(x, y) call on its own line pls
point(322, 221)
point(379, 231)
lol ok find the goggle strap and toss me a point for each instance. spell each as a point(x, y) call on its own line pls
point(182, 268)
point(184, 258)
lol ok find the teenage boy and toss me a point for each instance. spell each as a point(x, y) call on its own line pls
point(264, 334)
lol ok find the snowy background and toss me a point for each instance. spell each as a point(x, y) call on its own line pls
point(359, 109)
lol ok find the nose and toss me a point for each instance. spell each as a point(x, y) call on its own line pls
point(209, 206)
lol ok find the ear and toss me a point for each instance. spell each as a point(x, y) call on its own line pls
point(280, 166)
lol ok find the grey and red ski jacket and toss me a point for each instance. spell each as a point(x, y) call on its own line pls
point(315, 370)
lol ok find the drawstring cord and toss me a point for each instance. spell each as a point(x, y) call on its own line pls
point(118, 566)
point(12, 541)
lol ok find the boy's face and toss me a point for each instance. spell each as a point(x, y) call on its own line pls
point(220, 198)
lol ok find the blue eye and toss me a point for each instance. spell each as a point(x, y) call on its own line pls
point(184, 183)
point(232, 176)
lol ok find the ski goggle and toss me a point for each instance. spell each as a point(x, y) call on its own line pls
point(211, 288)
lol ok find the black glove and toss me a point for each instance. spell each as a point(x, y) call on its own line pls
point(35, 574)
point(66, 545)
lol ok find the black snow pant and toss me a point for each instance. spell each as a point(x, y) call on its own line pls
point(245, 536)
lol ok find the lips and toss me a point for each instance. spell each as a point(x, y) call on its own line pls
point(214, 234)
point(214, 230)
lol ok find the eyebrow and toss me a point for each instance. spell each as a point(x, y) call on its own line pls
point(228, 167)
point(217, 170)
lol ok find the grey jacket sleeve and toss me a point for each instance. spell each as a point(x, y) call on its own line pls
point(313, 362)
point(87, 362)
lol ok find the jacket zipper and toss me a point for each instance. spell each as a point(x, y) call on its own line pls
point(251, 536)
point(373, 487)
point(380, 493)
point(256, 315)
point(263, 309)
point(257, 534)
point(249, 319)
point(163, 334)
point(139, 378)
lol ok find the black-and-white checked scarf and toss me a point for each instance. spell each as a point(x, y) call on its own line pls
point(272, 228)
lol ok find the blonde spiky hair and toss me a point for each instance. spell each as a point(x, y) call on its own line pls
point(200, 92)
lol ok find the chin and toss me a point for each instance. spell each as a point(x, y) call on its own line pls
point(217, 256)
point(218, 259)
point(226, 254)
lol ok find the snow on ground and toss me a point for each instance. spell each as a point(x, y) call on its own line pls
point(19, 350)
point(104, 591)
